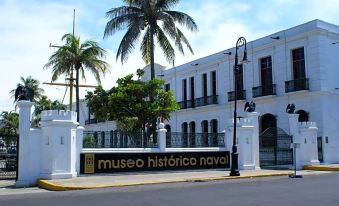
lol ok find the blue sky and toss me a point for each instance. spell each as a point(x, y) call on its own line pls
point(28, 26)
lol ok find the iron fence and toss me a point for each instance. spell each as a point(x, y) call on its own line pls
point(117, 139)
point(193, 140)
point(8, 156)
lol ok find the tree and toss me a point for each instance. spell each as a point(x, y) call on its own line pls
point(144, 16)
point(32, 84)
point(80, 57)
point(9, 122)
point(130, 102)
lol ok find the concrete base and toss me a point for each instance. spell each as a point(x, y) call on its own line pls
point(22, 183)
point(58, 176)
point(247, 167)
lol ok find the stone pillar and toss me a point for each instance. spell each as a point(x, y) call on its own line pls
point(254, 118)
point(307, 154)
point(79, 145)
point(58, 158)
point(24, 176)
point(162, 137)
point(245, 138)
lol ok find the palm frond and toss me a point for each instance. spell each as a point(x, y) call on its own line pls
point(184, 20)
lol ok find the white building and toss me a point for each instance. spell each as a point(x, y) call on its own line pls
point(296, 65)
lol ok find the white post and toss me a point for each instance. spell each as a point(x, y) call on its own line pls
point(79, 145)
point(162, 137)
point(254, 118)
point(24, 142)
point(293, 124)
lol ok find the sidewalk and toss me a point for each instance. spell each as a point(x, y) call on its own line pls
point(133, 179)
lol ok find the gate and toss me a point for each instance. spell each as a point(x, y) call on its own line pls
point(275, 148)
point(8, 156)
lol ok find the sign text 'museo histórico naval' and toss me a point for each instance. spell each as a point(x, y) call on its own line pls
point(128, 162)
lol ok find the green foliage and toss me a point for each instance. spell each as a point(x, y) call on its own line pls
point(132, 102)
point(9, 122)
point(88, 142)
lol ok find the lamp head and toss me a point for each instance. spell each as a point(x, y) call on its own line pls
point(244, 59)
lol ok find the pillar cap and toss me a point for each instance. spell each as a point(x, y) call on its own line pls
point(24, 103)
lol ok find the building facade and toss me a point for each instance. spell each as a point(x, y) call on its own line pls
point(295, 66)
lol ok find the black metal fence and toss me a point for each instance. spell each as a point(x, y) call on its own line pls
point(8, 156)
point(116, 139)
point(193, 140)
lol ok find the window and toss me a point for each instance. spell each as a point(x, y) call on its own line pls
point(184, 89)
point(204, 85)
point(192, 88)
point(214, 83)
point(167, 87)
point(239, 78)
point(266, 72)
point(298, 63)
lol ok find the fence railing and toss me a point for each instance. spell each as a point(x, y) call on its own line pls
point(261, 91)
point(296, 85)
point(241, 95)
point(193, 140)
point(116, 139)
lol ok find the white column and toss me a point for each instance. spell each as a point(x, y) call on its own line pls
point(162, 137)
point(293, 123)
point(254, 118)
point(79, 144)
point(24, 142)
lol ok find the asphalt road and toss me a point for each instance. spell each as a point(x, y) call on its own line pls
point(312, 190)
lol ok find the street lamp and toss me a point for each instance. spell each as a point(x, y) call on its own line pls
point(234, 156)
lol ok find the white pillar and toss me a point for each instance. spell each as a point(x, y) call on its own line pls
point(79, 145)
point(162, 137)
point(24, 142)
point(293, 123)
point(254, 118)
point(307, 154)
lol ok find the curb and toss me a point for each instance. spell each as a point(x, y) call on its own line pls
point(46, 184)
point(321, 168)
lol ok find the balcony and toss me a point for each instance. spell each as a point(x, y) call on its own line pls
point(208, 100)
point(241, 95)
point(296, 85)
point(261, 91)
point(186, 104)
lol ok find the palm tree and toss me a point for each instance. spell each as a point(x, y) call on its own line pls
point(32, 84)
point(78, 56)
point(10, 121)
point(138, 16)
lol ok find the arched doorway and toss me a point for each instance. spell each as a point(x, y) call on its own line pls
point(267, 121)
point(204, 133)
point(168, 135)
point(214, 132)
point(191, 134)
point(303, 116)
point(274, 144)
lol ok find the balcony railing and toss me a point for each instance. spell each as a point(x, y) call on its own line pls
point(208, 100)
point(296, 85)
point(261, 91)
point(189, 140)
point(241, 95)
point(186, 104)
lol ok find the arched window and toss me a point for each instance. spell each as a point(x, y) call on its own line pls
point(191, 137)
point(168, 135)
point(204, 135)
point(268, 120)
point(214, 126)
point(303, 116)
point(184, 136)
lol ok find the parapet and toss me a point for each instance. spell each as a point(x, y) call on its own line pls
point(307, 124)
point(50, 115)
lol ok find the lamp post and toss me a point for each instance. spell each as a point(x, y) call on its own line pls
point(234, 156)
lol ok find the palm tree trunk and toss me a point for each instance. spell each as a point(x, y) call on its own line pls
point(152, 52)
point(77, 93)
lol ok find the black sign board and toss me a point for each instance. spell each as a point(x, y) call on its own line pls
point(129, 162)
